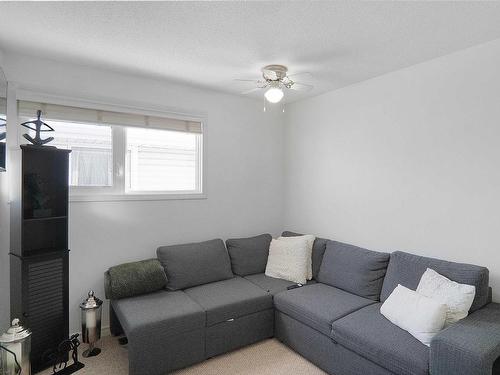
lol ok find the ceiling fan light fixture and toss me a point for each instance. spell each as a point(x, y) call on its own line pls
point(274, 95)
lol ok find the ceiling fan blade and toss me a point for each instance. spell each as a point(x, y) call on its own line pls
point(250, 91)
point(301, 87)
point(255, 82)
point(246, 80)
point(302, 75)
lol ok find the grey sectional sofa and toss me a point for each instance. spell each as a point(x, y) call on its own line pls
point(216, 298)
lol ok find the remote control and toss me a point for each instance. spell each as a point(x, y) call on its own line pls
point(294, 286)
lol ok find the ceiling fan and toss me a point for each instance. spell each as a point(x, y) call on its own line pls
point(275, 81)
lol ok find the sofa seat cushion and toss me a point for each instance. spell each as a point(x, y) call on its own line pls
point(230, 299)
point(318, 305)
point(168, 312)
point(271, 284)
point(368, 333)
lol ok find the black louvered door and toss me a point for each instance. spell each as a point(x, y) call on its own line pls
point(39, 250)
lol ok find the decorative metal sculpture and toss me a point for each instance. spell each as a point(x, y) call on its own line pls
point(61, 357)
point(38, 141)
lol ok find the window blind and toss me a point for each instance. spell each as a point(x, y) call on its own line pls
point(95, 116)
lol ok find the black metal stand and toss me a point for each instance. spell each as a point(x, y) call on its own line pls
point(70, 369)
point(61, 360)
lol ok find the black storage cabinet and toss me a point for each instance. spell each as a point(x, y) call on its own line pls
point(39, 249)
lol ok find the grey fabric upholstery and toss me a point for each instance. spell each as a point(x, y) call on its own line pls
point(165, 331)
point(371, 335)
point(321, 350)
point(230, 299)
point(470, 346)
point(354, 269)
point(249, 255)
point(319, 247)
point(271, 284)
point(234, 334)
point(134, 279)
point(174, 312)
point(318, 305)
point(114, 323)
point(161, 354)
point(407, 269)
point(194, 264)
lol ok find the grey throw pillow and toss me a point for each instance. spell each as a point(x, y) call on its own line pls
point(195, 264)
point(354, 269)
point(249, 255)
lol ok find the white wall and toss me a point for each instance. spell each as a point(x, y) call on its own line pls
point(406, 161)
point(244, 173)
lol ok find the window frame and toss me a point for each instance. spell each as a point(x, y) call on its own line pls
point(119, 192)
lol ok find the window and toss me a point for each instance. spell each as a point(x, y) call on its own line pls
point(91, 158)
point(161, 160)
point(118, 154)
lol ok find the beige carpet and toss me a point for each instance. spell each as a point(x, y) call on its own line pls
point(268, 357)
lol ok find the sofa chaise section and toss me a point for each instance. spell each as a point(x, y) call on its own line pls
point(165, 331)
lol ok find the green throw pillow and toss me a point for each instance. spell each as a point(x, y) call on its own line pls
point(136, 278)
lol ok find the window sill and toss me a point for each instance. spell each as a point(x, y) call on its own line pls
point(134, 197)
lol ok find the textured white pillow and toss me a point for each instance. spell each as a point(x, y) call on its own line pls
point(457, 297)
point(421, 316)
point(288, 260)
point(310, 242)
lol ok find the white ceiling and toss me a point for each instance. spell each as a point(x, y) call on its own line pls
point(208, 44)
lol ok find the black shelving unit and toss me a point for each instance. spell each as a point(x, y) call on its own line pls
point(39, 249)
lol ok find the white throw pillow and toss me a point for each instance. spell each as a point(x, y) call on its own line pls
point(310, 242)
point(288, 260)
point(421, 316)
point(457, 297)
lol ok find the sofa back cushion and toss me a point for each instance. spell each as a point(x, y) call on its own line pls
point(407, 269)
point(195, 264)
point(249, 255)
point(133, 279)
point(318, 250)
point(354, 269)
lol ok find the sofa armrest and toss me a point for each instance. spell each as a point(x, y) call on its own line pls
point(470, 346)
